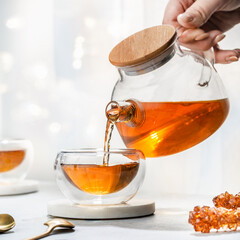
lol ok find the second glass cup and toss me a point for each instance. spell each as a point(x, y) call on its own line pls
point(16, 156)
point(84, 179)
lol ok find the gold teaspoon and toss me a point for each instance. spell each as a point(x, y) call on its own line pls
point(7, 222)
point(56, 222)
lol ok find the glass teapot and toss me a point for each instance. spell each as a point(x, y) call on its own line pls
point(167, 99)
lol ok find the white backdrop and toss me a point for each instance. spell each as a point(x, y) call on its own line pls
point(55, 81)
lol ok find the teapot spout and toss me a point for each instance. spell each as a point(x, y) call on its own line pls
point(129, 111)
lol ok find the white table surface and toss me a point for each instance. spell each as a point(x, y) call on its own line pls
point(170, 220)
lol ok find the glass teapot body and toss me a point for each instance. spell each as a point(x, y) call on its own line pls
point(179, 100)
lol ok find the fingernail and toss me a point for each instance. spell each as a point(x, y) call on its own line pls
point(202, 37)
point(232, 59)
point(186, 17)
point(219, 38)
point(179, 31)
point(237, 50)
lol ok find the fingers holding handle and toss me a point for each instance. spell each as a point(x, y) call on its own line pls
point(199, 41)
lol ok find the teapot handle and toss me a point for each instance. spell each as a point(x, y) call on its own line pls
point(209, 55)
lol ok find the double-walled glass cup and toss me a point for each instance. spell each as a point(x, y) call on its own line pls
point(16, 156)
point(84, 179)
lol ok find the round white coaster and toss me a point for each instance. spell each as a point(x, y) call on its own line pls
point(21, 187)
point(133, 208)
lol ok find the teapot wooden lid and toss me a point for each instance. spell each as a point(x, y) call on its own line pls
point(142, 46)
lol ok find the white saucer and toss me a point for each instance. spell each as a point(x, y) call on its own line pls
point(133, 208)
point(21, 187)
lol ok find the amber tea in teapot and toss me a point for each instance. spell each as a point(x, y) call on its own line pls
point(171, 127)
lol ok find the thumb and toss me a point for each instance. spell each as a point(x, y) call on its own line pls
point(198, 13)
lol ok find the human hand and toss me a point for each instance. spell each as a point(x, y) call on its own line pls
point(200, 24)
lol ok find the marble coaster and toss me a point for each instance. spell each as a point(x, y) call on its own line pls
point(21, 187)
point(134, 208)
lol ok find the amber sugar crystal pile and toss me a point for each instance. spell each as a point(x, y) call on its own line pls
point(227, 200)
point(225, 214)
point(206, 218)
